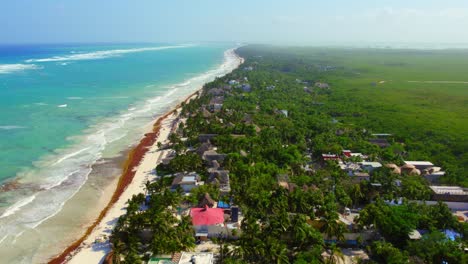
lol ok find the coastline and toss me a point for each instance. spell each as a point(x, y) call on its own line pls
point(137, 169)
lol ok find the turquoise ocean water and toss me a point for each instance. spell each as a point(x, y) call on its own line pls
point(63, 107)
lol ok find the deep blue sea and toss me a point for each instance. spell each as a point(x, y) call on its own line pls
point(64, 107)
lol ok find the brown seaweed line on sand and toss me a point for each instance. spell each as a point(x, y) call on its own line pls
point(134, 158)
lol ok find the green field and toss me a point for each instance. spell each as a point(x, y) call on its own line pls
point(419, 96)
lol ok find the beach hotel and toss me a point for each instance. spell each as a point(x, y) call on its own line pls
point(207, 221)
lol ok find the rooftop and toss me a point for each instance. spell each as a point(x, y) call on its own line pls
point(381, 135)
point(207, 216)
point(198, 258)
point(414, 235)
point(371, 163)
point(419, 163)
point(450, 190)
point(189, 179)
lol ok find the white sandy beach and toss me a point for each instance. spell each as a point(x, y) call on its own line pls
point(91, 252)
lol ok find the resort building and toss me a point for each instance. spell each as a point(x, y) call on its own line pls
point(420, 165)
point(212, 155)
point(216, 104)
point(196, 258)
point(210, 222)
point(394, 168)
point(220, 178)
point(186, 181)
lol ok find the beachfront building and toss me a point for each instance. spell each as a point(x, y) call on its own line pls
point(216, 92)
point(161, 259)
point(196, 258)
point(212, 155)
point(209, 222)
point(216, 104)
point(186, 181)
point(220, 178)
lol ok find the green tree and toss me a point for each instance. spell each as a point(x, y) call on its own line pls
point(384, 252)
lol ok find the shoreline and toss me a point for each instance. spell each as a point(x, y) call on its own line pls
point(146, 149)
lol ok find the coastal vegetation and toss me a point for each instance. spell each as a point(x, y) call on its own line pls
point(281, 111)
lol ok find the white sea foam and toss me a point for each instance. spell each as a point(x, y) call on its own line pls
point(60, 176)
point(10, 68)
point(11, 127)
point(184, 84)
point(103, 54)
point(70, 155)
point(62, 105)
point(15, 207)
point(3, 238)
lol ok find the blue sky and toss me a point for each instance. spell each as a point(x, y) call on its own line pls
point(273, 21)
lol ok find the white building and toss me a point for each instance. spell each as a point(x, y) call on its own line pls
point(196, 258)
point(370, 165)
point(420, 165)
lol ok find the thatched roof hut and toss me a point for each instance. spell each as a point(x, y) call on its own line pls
point(408, 167)
point(395, 169)
point(415, 172)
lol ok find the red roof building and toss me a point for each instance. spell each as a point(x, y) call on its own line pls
point(207, 216)
point(330, 157)
point(347, 153)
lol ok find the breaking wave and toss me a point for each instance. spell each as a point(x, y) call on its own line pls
point(10, 68)
point(103, 54)
point(56, 178)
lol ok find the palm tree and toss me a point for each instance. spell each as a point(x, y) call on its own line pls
point(147, 187)
point(302, 235)
point(335, 254)
point(332, 227)
point(357, 194)
point(277, 251)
